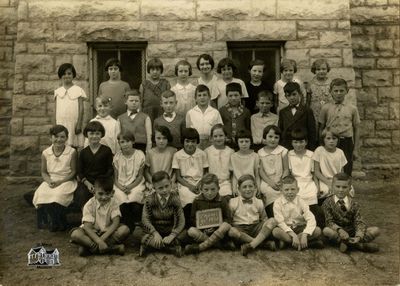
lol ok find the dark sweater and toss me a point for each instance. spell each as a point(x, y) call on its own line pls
point(91, 166)
point(201, 203)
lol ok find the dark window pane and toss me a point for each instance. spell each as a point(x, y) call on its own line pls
point(242, 59)
point(132, 64)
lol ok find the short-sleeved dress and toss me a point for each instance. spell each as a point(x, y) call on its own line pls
point(192, 170)
point(320, 95)
point(152, 96)
point(302, 168)
point(218, 164)
point(330, 164)
point(160, 161)
point(58, 168)
point(67, 111)
point(128, 169)
point(272, 164)
point(185, 99)
point(244, 164)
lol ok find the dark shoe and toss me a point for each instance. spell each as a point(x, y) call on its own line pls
point(282, 245)
point(367, 247)
point(118, 249)
point(230, 245)
point(192, 249)
point(343, 247)
point(317, 244)
point(245, 249)
point(142, 250)
point(42, 221)
point(83, 251)
point(178, 251)
point(270, 245)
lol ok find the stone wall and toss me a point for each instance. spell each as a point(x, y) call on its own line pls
point(53, 32)
point(375, 42)
point(8, 35)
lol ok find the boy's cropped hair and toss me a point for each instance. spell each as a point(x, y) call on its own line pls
point(159, 176)
point(290, 87)
point(201, 88)
point(113, 62)
point(206, 57)
point(234, 86)
point(299, 134)
point(64, 67)
point(106, 183)
point(325, 132)
point(127, 135)
point(273, 127)
point(57, 129)
point(256, 62)
point(338, 81)
point(244, 178)
point(342, 176)
point(319, 63)
point(208, 179)
point(164, 130)
point(244, 134)
point(226, 62)
point(155, 63)
point(183, 63)
point(265, 94)
point(168, 93)
point(131, 92)
point(287, 63)
point(289, 179)
point(103, 100)
point(94, 126)
point(190, 134)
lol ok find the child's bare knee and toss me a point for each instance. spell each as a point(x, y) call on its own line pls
point(316, 232)
point(77, 234)
point(234, 232)
point(276, 232)
point(192, 231)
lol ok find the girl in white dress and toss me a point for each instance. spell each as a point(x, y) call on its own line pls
point(129, 184)
point(69, 105)
point(218, 156)
point(183, 88)
point(58, 172)
point(273, 167)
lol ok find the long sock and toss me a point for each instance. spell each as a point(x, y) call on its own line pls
point(261, 236)
point(240, 236)
point(197, 235)
point(215, 237)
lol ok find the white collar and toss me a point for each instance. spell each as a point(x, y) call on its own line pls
point(108, 117)
point(346, 200)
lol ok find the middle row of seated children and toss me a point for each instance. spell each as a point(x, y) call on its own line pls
point(242, 220)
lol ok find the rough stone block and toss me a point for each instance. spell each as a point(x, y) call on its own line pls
point(81, 66)
point(40, 87)
point(374, 15)
point(396, 137)
point(396, 77)
point(83, 10)
point(377, 112)
point(310, 35)
point(364, 63)
point(33, 64)
point(37, 129)
point(37, 120)
point(116, 31)
point(343, 25)
point(335, 39)
point(394, 109)
point(313, 25)
point(20, 48)
point(383, 134)
point(8, 16)
point(66, 48)
point(17, 166)
point(236, 10)
point(396, 47)
point(180, 36)
point(363, 43)
point(161, 50)
point(377, 142)
point(387, 124)
point(314, 9)
point(347, 57)
point(23, 145)
point(300, 55)
point(171, 10)
point(42, 31)
point(29, 106)
point(383, 45)
point(35, 48)
point(16, 126)
point(368, 95)
point(367, 128)
point(256, 30)
point(377, 78)
point(325, 53)
point(389, 63)
point(194, 49)
point(389, 94)
point(60, 59)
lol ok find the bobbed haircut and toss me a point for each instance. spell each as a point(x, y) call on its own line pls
point(58, 128)
point(289, 179)
point(226, 62)
point(256, 62)
point(325, 132)
point(113, 62)
point(218, 126)
point(265, 94)
point(105, 183)
point(164, 130)
point(208, 178)
point(244, 178)
point(168, 93)
point(316, 64)
point(159, 176)
point(190, 134)
point(338, 81)
point(64, 67)
point(299, 134)
point(268, 128)
point(155, 63)
point(291, 87)
point(201, 88)
point(183, 63)
point(126, 135)
point(243, 133)
point(103, 100)
point(205, 57)
point(233, 86)
point(288, 63)
point(94, 126)
point(342, 176)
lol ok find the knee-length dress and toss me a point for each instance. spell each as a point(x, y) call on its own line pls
point(128, 170)
point(152, 96)
point(272, 164)
point(58, 168)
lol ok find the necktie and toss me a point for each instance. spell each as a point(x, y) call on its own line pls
point(168, 115)
point(342, 205)
point(132, 113)
point(247, 201)
point(163, 201)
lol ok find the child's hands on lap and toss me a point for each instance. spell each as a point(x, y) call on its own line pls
point(354, 240)
point(158, 241)
point(343, 234)
point(303, 240)
point(102, 246)
point(168, 239)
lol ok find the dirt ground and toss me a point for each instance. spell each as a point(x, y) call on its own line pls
point(379, 199)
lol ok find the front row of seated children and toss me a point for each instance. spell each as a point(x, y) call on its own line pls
point(244, 220)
